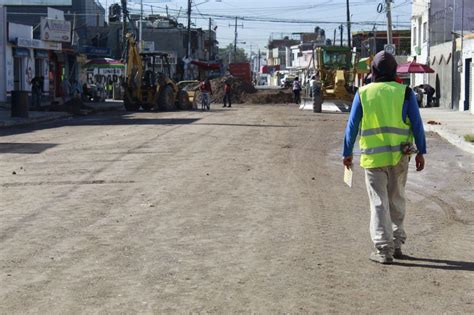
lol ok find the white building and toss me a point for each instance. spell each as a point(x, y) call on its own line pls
point(442, 38)
point(420, 37)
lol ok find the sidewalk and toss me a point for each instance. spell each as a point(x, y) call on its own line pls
point(7, 121)
point(39, 116)
point(453, 125)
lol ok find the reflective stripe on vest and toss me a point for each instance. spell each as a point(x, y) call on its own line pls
point(387, 148)
point(374, 131)
point(382, 126)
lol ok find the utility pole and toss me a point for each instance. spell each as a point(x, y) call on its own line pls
point(348, 24)
point(209, 42)
point(124, 24)
point(389, 21)
point(258, 62)
point(140, 35)
point(341, 27)
point(235, 37)
point(334, 41)
point(188, 48)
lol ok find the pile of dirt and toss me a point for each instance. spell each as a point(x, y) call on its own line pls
point(240, 89)
point(245, 92)
point(271, 97)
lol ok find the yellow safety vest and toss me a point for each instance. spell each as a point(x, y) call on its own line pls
point(382, 128)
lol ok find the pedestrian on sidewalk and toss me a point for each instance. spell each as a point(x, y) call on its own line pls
point(296, 90)
point(227, 91)
point(429, 91)
point(389, 118)
point(36, 92)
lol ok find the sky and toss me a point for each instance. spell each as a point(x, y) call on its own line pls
point(263, 19)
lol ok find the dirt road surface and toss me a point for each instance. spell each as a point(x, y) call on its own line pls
point(240, 210)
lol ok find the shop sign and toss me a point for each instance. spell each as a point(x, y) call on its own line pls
point(19, 31)
point(148, 46)
point(37, 44)
point(41, 54)
point(21, 52)
point(55, 30)
point(95, 51)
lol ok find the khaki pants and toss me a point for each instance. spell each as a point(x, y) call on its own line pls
point(386, 189)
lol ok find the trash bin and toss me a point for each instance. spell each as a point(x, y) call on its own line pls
point(19, 104)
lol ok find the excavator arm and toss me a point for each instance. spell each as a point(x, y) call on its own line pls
point(134, 66)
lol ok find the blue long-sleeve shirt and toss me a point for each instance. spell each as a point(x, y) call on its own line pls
point(410, 109)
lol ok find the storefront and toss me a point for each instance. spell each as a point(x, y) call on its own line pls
point(27, 58)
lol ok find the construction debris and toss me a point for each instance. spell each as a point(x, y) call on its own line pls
point(245, 92)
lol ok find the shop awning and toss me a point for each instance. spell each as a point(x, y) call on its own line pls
point(269, 69)
point(206, 65)
point(21, 52)
point(104, 63)
point(41, 54)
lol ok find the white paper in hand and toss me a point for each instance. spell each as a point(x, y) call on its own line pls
point(348, 176)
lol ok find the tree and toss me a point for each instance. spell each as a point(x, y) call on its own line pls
point(224, 54)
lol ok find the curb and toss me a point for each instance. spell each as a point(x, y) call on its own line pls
point(29, 121)
point(14, 122)
point(452, 138)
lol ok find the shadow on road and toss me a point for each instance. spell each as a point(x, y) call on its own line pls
point(133, 121)
point(25, 148)
point(101, 119)
point(245, 125)
point(410, 261)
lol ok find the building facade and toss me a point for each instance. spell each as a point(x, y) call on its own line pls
point(442, 38)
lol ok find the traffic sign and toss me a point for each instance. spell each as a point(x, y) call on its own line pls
point(390, 48)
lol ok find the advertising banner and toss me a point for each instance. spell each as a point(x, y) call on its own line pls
point(37, 44)
point(55, 30)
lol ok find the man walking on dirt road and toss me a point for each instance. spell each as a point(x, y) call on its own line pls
point(389, 118)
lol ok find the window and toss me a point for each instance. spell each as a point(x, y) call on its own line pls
point(414, 36)
point(425, 30)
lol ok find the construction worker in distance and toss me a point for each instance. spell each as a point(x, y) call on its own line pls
point(296, 90)
point(227, 95)
point(388, 115)
point(206, 89)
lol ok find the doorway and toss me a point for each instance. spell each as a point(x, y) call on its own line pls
point(468, 80)
point(17, 73)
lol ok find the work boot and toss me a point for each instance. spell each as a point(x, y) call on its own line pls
point(381, 258)
point(397, 254)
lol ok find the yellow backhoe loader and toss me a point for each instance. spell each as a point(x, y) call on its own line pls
point(148, 88)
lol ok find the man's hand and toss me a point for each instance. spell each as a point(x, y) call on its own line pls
point(347, 161)
point(420, 162)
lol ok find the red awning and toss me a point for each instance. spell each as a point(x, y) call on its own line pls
point(269, 69)
point(413, 67)
point(206, 65)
